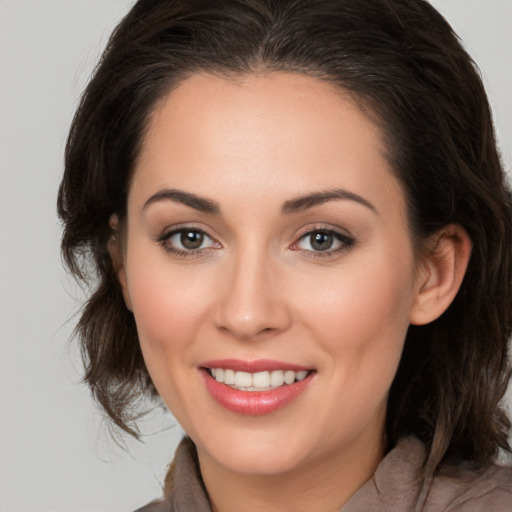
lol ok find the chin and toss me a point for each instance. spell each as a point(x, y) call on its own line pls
point(259, 458)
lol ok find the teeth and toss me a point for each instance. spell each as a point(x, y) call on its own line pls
point(289, 377)
point(256, 381)
point(242, 379)
point(301, 375)
point(229, 377)
point(261, 380)
point(277, 378)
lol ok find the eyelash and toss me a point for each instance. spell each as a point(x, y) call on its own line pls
point(345, 242)
point(184, 253)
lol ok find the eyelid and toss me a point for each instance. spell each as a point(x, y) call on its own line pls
point(164, 238)
point(345, 239)
point(327, 227)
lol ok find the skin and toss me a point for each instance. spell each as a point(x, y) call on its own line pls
point(257, 289)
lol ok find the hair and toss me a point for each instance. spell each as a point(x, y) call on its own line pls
point(402, 63)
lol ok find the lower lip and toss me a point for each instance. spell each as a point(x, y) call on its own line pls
point(254, 403)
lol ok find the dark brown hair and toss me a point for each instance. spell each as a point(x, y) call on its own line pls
point(406, 69)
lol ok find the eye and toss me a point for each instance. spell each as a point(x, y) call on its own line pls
point(186, 241)
point(323, 241)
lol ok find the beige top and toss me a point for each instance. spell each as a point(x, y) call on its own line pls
point(395, 487)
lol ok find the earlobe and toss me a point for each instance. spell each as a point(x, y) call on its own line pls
point(441, 275)
point(115, 250)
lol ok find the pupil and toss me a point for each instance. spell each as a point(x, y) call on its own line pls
point(321, 241)
point(191, 239)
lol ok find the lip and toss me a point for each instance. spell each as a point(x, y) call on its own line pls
point(259, 365)
point(254, 403)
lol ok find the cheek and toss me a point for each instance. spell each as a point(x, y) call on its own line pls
point(363, 300)
point(169, 305)
point(360, 317)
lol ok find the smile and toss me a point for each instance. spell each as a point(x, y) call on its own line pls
point(260, 381)
point(255, 388)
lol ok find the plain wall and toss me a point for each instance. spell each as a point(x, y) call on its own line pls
point(54, 453)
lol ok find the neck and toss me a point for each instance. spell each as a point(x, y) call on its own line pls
point(325, 483)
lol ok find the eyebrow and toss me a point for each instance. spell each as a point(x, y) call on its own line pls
point(178, 196)
point(305, 202)
point(294, 205)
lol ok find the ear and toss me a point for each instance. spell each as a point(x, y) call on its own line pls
point(115, 249)
point(442, 270)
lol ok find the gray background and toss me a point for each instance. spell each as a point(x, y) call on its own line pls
point(55, 454)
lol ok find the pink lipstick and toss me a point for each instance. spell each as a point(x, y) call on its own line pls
point(255, 388)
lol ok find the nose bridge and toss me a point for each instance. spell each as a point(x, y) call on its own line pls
point(250, 303)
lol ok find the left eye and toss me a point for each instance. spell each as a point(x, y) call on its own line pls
point(187, 240)
point(323, 241)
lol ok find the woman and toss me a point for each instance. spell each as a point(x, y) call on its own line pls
point(301, 230)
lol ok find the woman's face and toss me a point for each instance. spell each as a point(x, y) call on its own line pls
point(267, 239)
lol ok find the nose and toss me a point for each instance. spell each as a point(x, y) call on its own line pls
point(252, 303)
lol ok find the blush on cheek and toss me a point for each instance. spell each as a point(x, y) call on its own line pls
point(167, 313)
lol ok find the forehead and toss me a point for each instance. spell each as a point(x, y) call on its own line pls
point(278, 133)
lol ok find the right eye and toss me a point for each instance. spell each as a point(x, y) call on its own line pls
point(187, 241)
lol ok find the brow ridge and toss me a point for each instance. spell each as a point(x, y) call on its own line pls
point(307, 201)
point(187, 198)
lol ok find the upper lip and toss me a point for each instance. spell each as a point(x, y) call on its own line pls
point(258, 365)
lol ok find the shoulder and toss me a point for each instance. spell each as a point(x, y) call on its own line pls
point(184, 489)
point(399, 485)
point(462, 488)
point(156, 506)
point(458, 487)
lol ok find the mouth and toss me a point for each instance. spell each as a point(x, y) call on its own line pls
point(258, 381)
point(255, 388)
